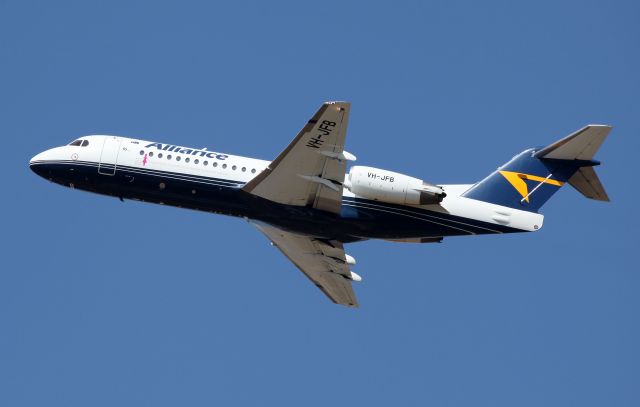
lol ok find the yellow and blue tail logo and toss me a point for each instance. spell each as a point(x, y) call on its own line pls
point(519, 182)
point(526, 182)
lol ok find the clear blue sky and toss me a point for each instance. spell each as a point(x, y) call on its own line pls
point(105, 303)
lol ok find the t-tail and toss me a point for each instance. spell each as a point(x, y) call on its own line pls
point(533, 176)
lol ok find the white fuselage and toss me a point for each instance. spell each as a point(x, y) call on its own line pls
point(161, 165)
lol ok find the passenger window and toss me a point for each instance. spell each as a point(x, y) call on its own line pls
point(187, 159)
point(141, 152)
point(85, 143)
point(253, 170)
point(234, 168)
point(244, 169)
point(215, 164)
point(196, 161)
point(169, 157)
point(151, 154)
point(224, 165)
point(159, 155)
point(178, 158)
point(206, 163)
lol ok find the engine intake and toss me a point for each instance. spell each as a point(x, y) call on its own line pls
point(392, 187)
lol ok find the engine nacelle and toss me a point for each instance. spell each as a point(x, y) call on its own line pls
point(392, 187)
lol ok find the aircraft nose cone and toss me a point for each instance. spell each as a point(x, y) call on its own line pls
point(36, 158)
point(37, 165)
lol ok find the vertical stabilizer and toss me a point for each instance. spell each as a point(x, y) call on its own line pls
point(533, 176)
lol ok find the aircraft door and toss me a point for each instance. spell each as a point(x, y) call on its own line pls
point(109, 156)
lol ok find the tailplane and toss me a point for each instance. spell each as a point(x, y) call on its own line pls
point(533, 176)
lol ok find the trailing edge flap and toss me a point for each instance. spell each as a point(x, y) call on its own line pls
point(322, 261)
point(581, 145)
point(586, 181)
point(311, 170)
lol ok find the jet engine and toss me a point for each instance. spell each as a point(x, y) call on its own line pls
point(392, 187)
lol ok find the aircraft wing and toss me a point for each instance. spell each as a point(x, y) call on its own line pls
point(311, 170)
point(322, 261)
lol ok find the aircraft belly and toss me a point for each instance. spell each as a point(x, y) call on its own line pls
point(359, 218)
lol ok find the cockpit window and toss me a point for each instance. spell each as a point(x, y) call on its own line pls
point(79, 142)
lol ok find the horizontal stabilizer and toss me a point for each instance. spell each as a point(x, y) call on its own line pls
point(581, 145)
point(532, 177)
point(586, 181)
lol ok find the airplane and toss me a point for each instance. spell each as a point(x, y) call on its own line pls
point(308, 205)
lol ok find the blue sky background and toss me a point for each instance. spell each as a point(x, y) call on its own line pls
point(105, 303)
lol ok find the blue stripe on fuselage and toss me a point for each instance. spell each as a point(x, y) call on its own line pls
point(360, 218)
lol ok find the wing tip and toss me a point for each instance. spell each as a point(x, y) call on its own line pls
point(339, 103)
point(348, 304)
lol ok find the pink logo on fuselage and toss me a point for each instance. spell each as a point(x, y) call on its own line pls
point(145, 160)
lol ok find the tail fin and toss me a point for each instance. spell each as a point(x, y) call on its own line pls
point(533, 176)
